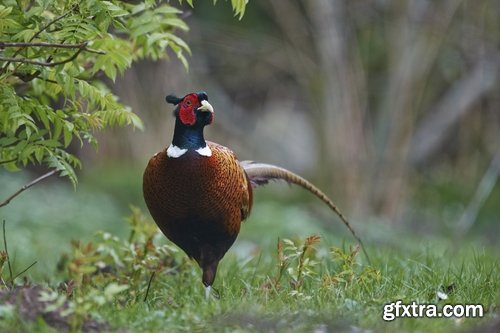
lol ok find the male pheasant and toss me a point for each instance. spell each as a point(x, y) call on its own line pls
point(198, 192)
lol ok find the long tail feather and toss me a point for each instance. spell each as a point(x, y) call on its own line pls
point(261, 173)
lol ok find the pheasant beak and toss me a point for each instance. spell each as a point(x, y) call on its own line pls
point(205, 106)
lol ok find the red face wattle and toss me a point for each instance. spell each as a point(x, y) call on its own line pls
point(194, 109)
point(187, 109)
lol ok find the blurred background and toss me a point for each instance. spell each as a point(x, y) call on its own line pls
point(391, 107)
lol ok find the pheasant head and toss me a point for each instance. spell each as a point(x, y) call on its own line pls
point(192, 114)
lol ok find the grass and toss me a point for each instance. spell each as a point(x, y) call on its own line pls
point(336, 294)
point(296, 283)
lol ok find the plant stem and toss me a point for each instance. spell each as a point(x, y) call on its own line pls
point(149, 285)
point(25, 187)
point(7, 252)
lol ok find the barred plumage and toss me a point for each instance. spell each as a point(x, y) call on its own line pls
point(197, 191)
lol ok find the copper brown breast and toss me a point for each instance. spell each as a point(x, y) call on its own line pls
point(197, 201)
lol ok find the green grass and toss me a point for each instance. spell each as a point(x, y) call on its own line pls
point(258, 286)
point(248, 298)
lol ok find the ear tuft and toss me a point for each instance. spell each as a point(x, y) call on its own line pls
point(172, 99)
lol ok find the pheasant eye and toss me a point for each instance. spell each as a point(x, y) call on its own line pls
point(188, 102)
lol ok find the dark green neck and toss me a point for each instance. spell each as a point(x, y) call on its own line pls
point(188, 137)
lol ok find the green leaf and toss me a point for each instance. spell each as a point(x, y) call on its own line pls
point(115, 10)
point(110, 71)
point(239, 7)
point(5, 11)
point(43, 116)
point(19, 147)
point(145, 28)
point(39, 154)
point(178, 51)
point(167, 9)
point(50, 143)
point(7, 141)
point(58, 125)
point(178, 41)
point(68, 135)
point(177, 23)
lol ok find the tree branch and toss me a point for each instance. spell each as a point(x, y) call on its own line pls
point(435, 126)
point(35, 36)
point(482, 193)
point(42, 63)
point(54, 45)
point(27, 186)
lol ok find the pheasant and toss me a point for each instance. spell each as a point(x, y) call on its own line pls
point(198, 192)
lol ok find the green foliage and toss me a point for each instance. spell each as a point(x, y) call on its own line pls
point(116, 270)
point(238, 6)
point(105, 283)
point(298, 266)
point(350, 272)
point(295, 261)
point(109, 271)
point(127, 262)
point(56, 58)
